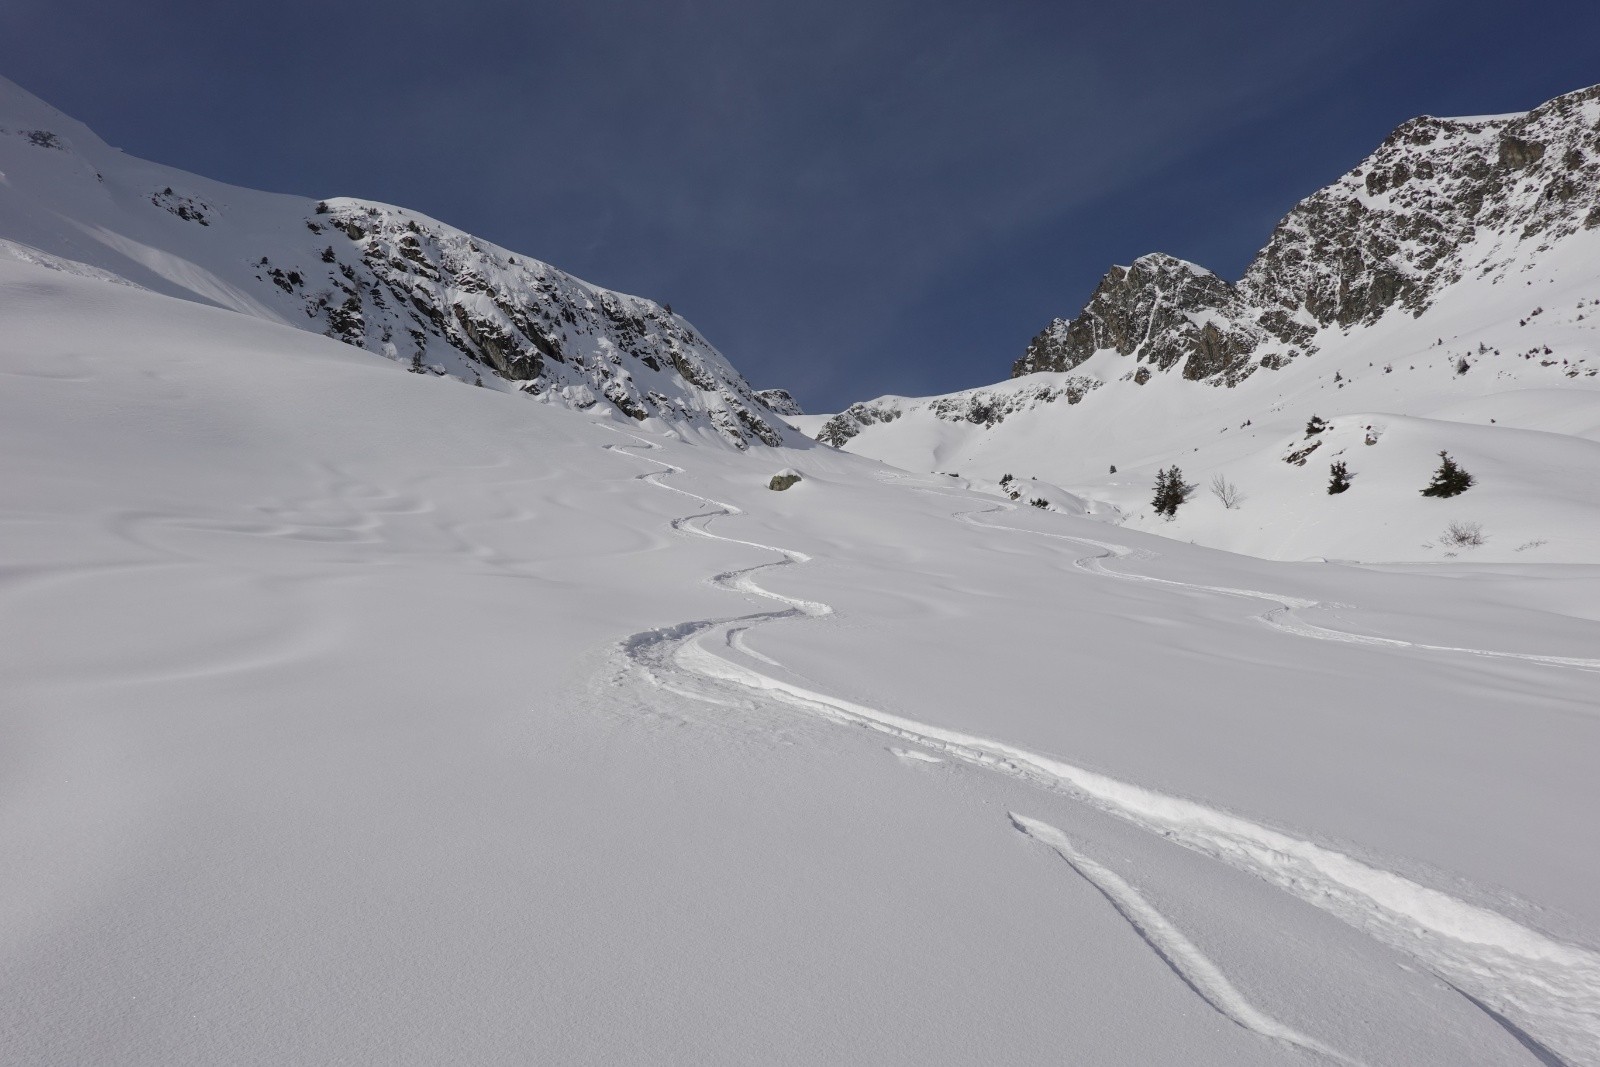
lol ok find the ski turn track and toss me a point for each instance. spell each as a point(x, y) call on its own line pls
point(1281, 616)
point(1545, 993)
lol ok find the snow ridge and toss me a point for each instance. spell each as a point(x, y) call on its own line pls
point(385, 279)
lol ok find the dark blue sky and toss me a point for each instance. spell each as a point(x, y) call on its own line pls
point(849, 198)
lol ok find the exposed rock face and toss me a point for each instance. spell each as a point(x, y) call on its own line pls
point(1162, 311)
point(413, 289)
point(378, 277)
point(857, 417)
point(1438, 199)
point(779, 402)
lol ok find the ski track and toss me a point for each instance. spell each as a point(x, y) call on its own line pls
point(1543, 992)
point(1196, 969)
point(1280, 617)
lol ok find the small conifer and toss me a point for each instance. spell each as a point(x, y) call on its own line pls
point(1449, 479)
point(1171, 491)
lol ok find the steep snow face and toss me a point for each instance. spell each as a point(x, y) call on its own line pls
point(381, 278)
point(1443, 296)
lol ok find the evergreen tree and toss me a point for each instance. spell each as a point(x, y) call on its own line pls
point(1171, 491)
point(1315, 426)
point(1338, 478)
point(1449, 479)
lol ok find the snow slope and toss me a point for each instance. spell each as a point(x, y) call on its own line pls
point(1464, 320)
point(383, 278)
point(358, 716)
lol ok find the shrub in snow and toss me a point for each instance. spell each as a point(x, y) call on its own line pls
point(783, 480)
point(1463, 534)
point(1449, 479)
point(1226, 492)
point(1338, 478)
point(1040, 502)
point(1171, 491)
point(1315, 426)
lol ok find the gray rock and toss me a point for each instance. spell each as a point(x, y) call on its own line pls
point(397, 277)
point(778, 401)
point(1388, 235)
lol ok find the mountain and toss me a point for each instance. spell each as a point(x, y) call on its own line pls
point(378, 277)
point(1446, 290)
point(359, 716)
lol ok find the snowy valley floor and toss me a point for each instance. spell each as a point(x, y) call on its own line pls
point(353, 716)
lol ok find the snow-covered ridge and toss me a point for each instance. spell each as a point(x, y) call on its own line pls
point(1438, 201)
point(382, 278)
point(1442, 296)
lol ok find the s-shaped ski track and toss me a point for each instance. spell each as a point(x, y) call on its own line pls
point(1546, 993)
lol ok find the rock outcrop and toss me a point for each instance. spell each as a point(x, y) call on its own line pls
point(979, 407)
point(1162, 311)
point(375, 276)
point(779, 402)
point(397, 283)
point(1437, 200)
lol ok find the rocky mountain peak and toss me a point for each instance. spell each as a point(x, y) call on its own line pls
point(1438, 199)
point(1160, 310)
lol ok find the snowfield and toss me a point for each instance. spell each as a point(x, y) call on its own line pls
point(362, 716)
point(354, 715)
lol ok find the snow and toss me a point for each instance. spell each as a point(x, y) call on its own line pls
point(354, 715)
point(1490, 353)
point(1527, 428)
point(358, 714)
point(376, 276)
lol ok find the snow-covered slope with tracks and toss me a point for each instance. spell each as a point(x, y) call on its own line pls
point(353, 715)
point(350, 715)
